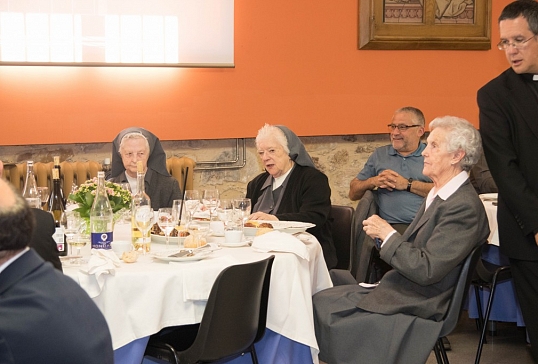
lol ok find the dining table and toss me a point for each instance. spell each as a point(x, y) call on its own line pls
point(505, 306)
point(141, 298)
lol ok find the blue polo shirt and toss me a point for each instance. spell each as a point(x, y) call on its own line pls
point(397, 207)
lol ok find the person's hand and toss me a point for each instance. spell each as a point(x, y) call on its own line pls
point(376, 227)
point(536, 238)
point(391, 180)
point(262, 216)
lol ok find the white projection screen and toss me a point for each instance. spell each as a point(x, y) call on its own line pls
point(170, 33)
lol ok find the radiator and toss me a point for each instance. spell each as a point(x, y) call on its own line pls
point(79, 172)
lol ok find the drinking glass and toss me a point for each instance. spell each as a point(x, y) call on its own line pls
point(176, 212)
point(143, 217)
point(225, 212)
point(210, 200)
point(242, 208)
point(78, 241)
point(43, 196)
point(72, 223)
point(192, 201)
point(167, 222)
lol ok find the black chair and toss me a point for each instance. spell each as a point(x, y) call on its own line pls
point(342, 232)
point(234, 318)
point(454, 309)
point(487, 275)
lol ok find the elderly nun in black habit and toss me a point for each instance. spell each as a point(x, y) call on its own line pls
point(134, 144)
point(291, 188)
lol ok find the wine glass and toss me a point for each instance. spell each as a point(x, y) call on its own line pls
point(143, 217)
point(225, 212)
point(242, 207)
point(78, 241)
point(192, 201)
point(43, 196)
point(210, 199)
point(167, 222)
point(71, 223)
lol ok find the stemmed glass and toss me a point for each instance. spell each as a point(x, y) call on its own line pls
point(43, 196)
point(242, 207)
point(192, 201)
point(143, 217)
point(72, 224)
point(225, 212)
point(210, 200)
point(167, 222)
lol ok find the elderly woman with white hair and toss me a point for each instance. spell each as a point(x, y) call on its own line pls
point(400, 320)
point(138, 144)
point(291, 188)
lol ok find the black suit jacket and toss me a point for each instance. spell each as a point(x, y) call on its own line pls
point(46, 317)
point(307, 198)
point(509, 127)
point(42, 241)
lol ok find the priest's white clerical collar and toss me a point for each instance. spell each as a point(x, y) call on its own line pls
point(535, 78)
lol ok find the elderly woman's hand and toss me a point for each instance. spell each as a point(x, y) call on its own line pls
point(262, 216)
point(376, 227)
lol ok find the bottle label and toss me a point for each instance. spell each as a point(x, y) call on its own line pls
point(101, 240)
point(58, 237)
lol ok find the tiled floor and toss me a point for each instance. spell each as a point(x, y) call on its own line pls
point(507, 347)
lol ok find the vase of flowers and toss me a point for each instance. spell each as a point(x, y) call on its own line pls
point(120, 199)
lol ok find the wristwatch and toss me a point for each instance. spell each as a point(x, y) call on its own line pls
point(409, 182)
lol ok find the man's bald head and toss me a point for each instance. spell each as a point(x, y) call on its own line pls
point(16, 219)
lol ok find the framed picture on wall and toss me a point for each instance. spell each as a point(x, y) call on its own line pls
point(425, 24)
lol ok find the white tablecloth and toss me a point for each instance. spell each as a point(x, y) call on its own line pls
point(488, 199)
point(143, 297)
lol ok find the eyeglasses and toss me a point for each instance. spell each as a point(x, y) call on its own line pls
point(517, 44)
point(401, 127)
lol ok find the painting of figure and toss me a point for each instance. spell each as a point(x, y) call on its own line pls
point(446, 11)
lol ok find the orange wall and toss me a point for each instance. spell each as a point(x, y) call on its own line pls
point(297, 63)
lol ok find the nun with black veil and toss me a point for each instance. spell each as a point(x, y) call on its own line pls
point(137, 144)
point(291, 188)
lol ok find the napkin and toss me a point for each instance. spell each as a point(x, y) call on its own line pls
point(278, 241)
point(198, 278)
point(101, 264)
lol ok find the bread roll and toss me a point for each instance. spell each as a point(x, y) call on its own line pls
point(190, 243)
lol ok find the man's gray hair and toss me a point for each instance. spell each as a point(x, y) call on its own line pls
point(16, 221)
point(418, 115)
point(461, 135)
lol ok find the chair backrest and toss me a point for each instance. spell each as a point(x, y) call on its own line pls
point(235, 312)
point(342, 232)
point(462, 287)
point(360, 256)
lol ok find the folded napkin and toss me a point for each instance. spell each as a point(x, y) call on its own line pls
point(101, 264)
point(198, 278)
point(278, 241)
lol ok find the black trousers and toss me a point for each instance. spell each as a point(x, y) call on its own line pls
point(525, 275)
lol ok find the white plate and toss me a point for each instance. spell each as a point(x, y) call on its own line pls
point(290, 227)
point(162, 239)
point(235, 245)
point(196, 257)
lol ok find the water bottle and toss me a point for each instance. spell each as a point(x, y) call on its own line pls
point(30, 192)
point(101, 216)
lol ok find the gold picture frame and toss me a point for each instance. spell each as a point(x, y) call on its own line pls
point(425, 24)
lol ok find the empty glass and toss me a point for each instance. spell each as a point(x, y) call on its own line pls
point(192, 202)
point(210, 200)
point(242, 207)
point(167, 222)
point(43, 196)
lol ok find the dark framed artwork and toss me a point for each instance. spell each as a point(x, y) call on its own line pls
point(425, 24)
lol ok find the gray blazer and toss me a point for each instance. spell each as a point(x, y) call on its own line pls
point(427, 258)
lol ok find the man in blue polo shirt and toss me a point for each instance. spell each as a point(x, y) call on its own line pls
point(395, 171)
